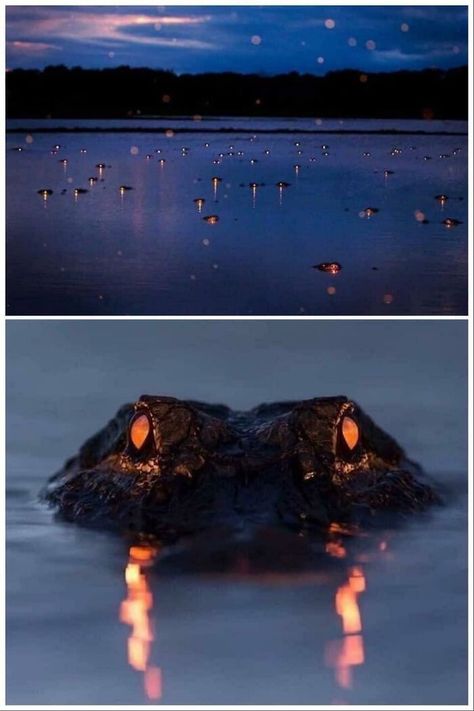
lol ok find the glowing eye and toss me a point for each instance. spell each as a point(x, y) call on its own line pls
point(139, 431)
point(350, 432)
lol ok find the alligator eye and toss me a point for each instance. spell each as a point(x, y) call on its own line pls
point(139, 430)
point(350, 432)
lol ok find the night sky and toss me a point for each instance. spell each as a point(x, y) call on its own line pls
point(238, 38)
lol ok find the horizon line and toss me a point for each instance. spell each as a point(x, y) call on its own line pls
point(263, 74)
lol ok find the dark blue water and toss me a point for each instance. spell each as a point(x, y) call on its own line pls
point(148, 250)
point(90, 621)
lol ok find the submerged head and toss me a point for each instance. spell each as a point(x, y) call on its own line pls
point(168, 465)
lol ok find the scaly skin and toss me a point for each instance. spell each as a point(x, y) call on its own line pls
point(203, 465)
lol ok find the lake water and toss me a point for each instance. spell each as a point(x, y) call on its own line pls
point(148, 251)
point(273, 618)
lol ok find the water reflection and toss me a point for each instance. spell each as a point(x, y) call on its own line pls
point(344, 578)
point(215, 183)
point(383, 254)
point(253, 187)
point(347, 652)
point(136, 611)
point(342, 654)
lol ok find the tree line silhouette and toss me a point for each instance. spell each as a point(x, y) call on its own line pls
point(62, 92)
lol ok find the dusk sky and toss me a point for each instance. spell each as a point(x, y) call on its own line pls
point(266, 39)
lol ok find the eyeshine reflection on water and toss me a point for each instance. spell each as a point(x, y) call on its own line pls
point(341, 654)
point(115, 229)
point(344, 653)
point(136, 611)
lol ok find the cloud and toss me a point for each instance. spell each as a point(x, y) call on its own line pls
point(107, 29)
point(397, 55)
point(31, 48)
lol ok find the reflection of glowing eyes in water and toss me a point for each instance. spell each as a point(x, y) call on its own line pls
point(253, 187)
point(135, 611)
point(348, 608)
point(139, 430)
point(199, 202)
point(281, 185)
point(343, 654)
point(350, 432)
point(357, 580)
point(215, 182)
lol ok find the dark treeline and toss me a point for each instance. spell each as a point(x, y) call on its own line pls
point(60, 92)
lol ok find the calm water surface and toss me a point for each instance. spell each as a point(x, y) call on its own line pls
point(272, 618)
point(107, 625)
point(149, 251)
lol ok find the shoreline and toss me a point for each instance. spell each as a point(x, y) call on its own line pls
point(275, 131)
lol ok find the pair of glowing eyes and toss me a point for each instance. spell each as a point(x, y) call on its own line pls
point(140, 429)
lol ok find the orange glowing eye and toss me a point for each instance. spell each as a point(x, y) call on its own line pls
point(350, 432)
point(139, 431)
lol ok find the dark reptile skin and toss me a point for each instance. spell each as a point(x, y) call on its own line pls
point(206, 465)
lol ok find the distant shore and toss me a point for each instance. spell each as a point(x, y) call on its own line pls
point(126, 92)
point(230, 129)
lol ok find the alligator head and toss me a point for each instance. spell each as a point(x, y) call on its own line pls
point(168, 466)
